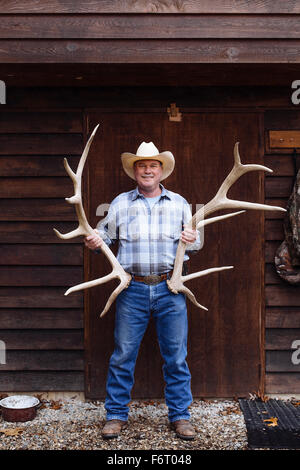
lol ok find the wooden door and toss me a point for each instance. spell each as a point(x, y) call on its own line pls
point(225, 342)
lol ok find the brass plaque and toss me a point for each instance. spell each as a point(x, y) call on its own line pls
point(284, 139)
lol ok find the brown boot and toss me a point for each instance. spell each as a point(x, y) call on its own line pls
point(184, 429)
point(112, 428)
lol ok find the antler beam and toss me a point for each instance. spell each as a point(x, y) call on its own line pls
point(85, 229)
point(219, 202)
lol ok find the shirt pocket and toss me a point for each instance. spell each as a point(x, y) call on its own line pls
point(169, 235)
point(135, 228)
point(170, 225)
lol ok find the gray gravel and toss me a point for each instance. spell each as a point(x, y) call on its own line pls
point(72, 424)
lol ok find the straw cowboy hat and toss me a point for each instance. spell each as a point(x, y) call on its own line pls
point(148, 151)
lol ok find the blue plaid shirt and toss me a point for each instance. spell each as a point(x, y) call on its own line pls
point(148, 238)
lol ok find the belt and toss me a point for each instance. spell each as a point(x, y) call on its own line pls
point(153, 279)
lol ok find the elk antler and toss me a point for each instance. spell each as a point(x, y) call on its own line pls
point(220, 201)
point(85, 229)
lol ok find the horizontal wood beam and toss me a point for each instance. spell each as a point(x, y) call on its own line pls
point(43, 360)
point(35, 165)
point(155, 6)
point(42, 339)
point(280, 51)
point(41, 318)
point(150, 99)
point(40, 122)
point(282, 165)
point(132, 26)
point(39, 255)
point(281, 186)
point(273, 230)
point(36, 210)
point(282, 382)
point(38, 144)
point(41, 275)
point(282, 295)
point(36, 232)
point(283, 317)
point(39, 297)
point(281, 338)
point(38, 381)
point(35, 187)
point(86, 75)
point(281, 361)
point(275, 202)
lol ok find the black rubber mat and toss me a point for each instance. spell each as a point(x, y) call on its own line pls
point(284, 435)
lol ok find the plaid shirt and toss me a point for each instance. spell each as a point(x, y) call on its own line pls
point(148, 239)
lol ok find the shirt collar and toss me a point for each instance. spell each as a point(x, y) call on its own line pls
point(164, 193)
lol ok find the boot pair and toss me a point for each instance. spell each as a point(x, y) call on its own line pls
point(183, 428)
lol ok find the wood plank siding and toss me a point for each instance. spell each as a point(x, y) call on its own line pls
point(61, 59)
point(265, 7)
point(41, 328)
point(282, 299)
point(163, 32)
point(44, 330)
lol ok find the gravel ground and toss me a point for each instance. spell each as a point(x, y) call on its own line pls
point(76, 425)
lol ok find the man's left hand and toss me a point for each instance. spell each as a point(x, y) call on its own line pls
point(188, 235)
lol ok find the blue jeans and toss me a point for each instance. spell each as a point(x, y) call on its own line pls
point(133, 309)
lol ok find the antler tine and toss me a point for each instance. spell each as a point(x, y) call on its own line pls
point(204, 222)
point(188, 277)
point(85, 229)
point(219, 202)
point(191, 297)
point(188, 292)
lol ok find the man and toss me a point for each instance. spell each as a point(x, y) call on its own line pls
point(148, 223)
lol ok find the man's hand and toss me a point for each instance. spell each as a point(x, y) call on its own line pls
point(188, 235)
point(93, 241)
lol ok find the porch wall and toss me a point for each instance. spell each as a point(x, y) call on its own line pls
point(42, 329)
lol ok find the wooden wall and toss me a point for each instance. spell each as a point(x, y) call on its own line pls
point(42, 329)
point(139, 31)
point(90, 41)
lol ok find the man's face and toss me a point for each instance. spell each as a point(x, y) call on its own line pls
point(148, 174)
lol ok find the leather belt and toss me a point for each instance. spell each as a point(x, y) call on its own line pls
point(153, 279)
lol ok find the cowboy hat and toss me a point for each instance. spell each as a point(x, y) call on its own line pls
point(148, 151)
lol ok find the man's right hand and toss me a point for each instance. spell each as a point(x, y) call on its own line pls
point(93, 242)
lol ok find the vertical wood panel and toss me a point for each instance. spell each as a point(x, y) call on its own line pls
point(221, 351)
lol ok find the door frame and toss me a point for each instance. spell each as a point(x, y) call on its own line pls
point(86, 199)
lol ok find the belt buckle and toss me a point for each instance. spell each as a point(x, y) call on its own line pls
point(152, 279)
